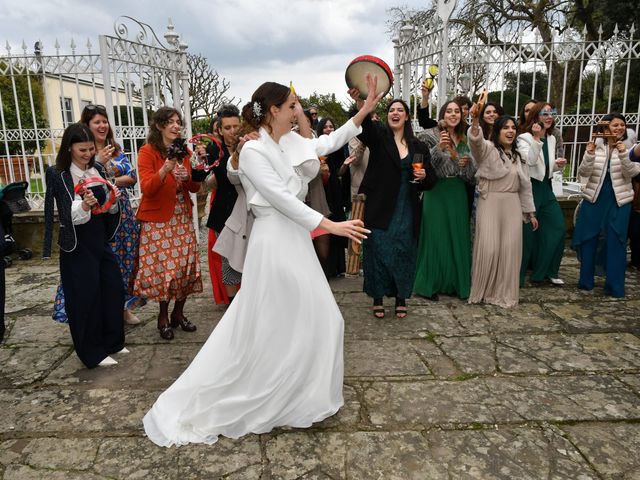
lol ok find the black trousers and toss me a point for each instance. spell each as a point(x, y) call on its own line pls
point(94, 294)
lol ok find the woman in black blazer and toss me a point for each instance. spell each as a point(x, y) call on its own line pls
point(392, 208)
point(89, 270)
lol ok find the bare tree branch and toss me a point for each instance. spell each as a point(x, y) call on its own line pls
point(207, 89)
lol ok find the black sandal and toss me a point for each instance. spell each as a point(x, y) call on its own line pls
point(401, 307)
point(378, 308)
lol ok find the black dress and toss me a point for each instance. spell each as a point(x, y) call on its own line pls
point(91, 280)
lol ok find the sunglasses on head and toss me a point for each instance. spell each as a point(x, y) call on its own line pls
point(95, 108)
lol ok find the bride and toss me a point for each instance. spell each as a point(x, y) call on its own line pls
point(276, 356)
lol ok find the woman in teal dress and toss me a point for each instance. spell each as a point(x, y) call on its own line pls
point(392, 205)
point(600, 236)
point(444, 245)
point(542, 250)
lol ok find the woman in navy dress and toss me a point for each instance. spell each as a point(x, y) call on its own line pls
point(89, 270)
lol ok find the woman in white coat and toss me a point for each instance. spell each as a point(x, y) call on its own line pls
point(542, 250)
point(276, 356)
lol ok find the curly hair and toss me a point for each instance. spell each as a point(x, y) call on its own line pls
point(159, 120)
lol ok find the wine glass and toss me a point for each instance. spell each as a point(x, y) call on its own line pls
point(463, 151)
point(417, 164)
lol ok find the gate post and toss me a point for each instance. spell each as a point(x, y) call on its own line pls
point(445, 9)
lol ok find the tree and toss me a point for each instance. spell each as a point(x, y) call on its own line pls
point(207, 89)
point(10, 109)
point(327, 106)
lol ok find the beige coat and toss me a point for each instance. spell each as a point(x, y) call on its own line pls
point(593, 168)
point(234, 237)
point(491, 167)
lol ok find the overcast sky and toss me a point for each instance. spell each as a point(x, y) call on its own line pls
point(309, 42)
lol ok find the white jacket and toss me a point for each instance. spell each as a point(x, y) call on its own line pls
point(531, 150)
point(276, 175)
point(622, 170)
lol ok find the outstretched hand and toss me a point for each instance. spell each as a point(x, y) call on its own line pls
point(353, 229)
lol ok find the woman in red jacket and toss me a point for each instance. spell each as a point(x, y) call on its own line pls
point(168, 263)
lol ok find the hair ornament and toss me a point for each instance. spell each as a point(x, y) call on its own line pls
point(257, 110)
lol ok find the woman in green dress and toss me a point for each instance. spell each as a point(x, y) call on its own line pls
point(444, 245)
point(542, 250)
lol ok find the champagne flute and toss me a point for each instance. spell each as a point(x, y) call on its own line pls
point(417, 164)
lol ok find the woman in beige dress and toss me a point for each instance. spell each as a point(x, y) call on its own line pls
point(505, 202)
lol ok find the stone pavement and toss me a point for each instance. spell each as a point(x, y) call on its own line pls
point(550, 390)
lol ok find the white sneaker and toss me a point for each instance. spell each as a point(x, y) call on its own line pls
point(130, 318)
point(124, 350)
point(556, 281)
point(108, 361)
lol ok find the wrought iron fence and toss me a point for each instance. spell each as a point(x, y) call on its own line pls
point(583, 79)
point(40, 94)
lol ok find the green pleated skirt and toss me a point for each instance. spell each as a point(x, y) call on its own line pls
point(444, 246)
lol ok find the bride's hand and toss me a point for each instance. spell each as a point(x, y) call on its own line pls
point(372, 99)
point(353, 229)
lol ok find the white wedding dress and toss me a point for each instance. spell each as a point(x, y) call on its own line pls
point(276, 356)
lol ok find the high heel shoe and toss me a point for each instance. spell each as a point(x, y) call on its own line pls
point(166, 332)
point(184, 323)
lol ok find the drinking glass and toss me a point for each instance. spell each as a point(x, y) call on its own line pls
point(417, 164)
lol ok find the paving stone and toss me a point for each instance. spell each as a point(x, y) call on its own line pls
point(103, 410)
point(499, 400)
point(39, 330)
point(294, 455)
point(360, 324)
point(62, 453)
point(511, 453)
point(590, 317)
point(527, 318)
point(237, 459)
point(568, 353)
point(23, 472)
point(440, 365)
point(382, 359)
point(155, 366)
point(612, 448)
point(22, 297)
point(12, 451)
point(135, 458)
point(472, 355)
point(25, 365)
point(633, 381)
point(393, 456)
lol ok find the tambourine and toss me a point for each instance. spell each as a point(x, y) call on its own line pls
point(482, 100)
point(356, 74)
point(85, 183)
point(202, 138)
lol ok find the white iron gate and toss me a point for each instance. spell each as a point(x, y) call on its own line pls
point(40, 94)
